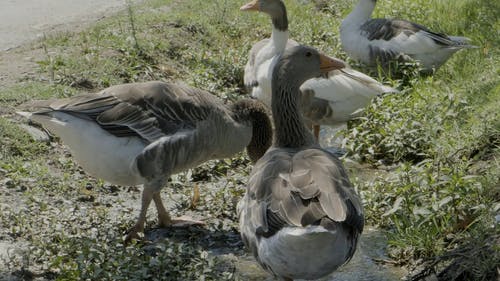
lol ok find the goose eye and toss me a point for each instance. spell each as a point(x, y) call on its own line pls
point(308, 54)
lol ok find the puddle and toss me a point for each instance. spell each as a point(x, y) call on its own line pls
point(329, 137)
point(363, 265)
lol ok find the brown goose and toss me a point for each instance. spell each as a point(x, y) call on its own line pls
point(382, 40)
point(300, 216)
point(142, 133)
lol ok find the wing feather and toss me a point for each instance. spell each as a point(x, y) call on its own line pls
point(301, 188)
point(148, 110)
point(249, 77)
point(389, 29)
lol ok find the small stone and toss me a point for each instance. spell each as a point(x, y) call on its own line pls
point(7, 182)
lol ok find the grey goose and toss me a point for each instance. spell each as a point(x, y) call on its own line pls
point(141, 133)
point(300, 215)
point(331, 100)
point(373, 41)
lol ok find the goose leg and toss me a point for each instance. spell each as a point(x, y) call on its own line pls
point(133, 233)
point(316, 132)
point(164, 219)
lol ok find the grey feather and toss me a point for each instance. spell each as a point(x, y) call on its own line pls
point(304, 190)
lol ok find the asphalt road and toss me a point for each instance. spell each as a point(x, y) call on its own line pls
point(22, 21)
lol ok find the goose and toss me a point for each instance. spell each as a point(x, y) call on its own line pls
point(141, 133)
point(373, 41)
point(332, 100)
point(300, 216)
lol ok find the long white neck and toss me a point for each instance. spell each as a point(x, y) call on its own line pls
point(275, 46)
point(361, 13)
point(279, 38)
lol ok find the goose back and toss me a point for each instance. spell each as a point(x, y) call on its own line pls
point(152, 128)
point(290, 190)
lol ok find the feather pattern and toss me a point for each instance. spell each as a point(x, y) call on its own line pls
point(293, 186)
point(335, 99)
point(249, 77)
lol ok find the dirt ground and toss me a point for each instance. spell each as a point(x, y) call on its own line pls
point(24, 22)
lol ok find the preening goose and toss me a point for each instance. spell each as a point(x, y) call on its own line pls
point(373, 41)
point(300, 216)
point(324, 101)
point(142, 133)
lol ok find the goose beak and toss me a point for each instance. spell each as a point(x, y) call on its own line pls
point(251, 6)
point(328, 64)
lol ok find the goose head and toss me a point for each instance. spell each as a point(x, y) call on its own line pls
point(274, 8)
point(300, 63)
point(255, 112)
point(292, 69)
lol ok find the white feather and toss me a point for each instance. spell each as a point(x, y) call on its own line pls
point(99, 153)
point(305, 253)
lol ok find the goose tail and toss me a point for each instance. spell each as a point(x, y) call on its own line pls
point(463, 42)
point(24, 114)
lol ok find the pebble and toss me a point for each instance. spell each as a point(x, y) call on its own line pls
point(35, 133)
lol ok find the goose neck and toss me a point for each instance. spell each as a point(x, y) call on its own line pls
point(279, 38)
point(279, 17)
point(255, 113)
point(289, 125)
point(362, 12)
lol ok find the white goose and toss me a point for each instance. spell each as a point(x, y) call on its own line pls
point(383, 40)
point(142, 133)
point(325, 101)
point(300, 216)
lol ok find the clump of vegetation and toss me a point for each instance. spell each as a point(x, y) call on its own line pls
point(458, 264)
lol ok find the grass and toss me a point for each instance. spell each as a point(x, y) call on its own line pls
point(440, 139)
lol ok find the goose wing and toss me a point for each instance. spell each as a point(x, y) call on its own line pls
point(336, 98)
point(148, 110)
point(254, 66)
point(391, 29)
point(249, 77)
point(302, 188)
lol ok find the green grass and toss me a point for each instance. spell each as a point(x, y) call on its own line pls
point(440, 138)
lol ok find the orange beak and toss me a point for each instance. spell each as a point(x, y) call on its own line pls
point(251, 6)
point(328, 64)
